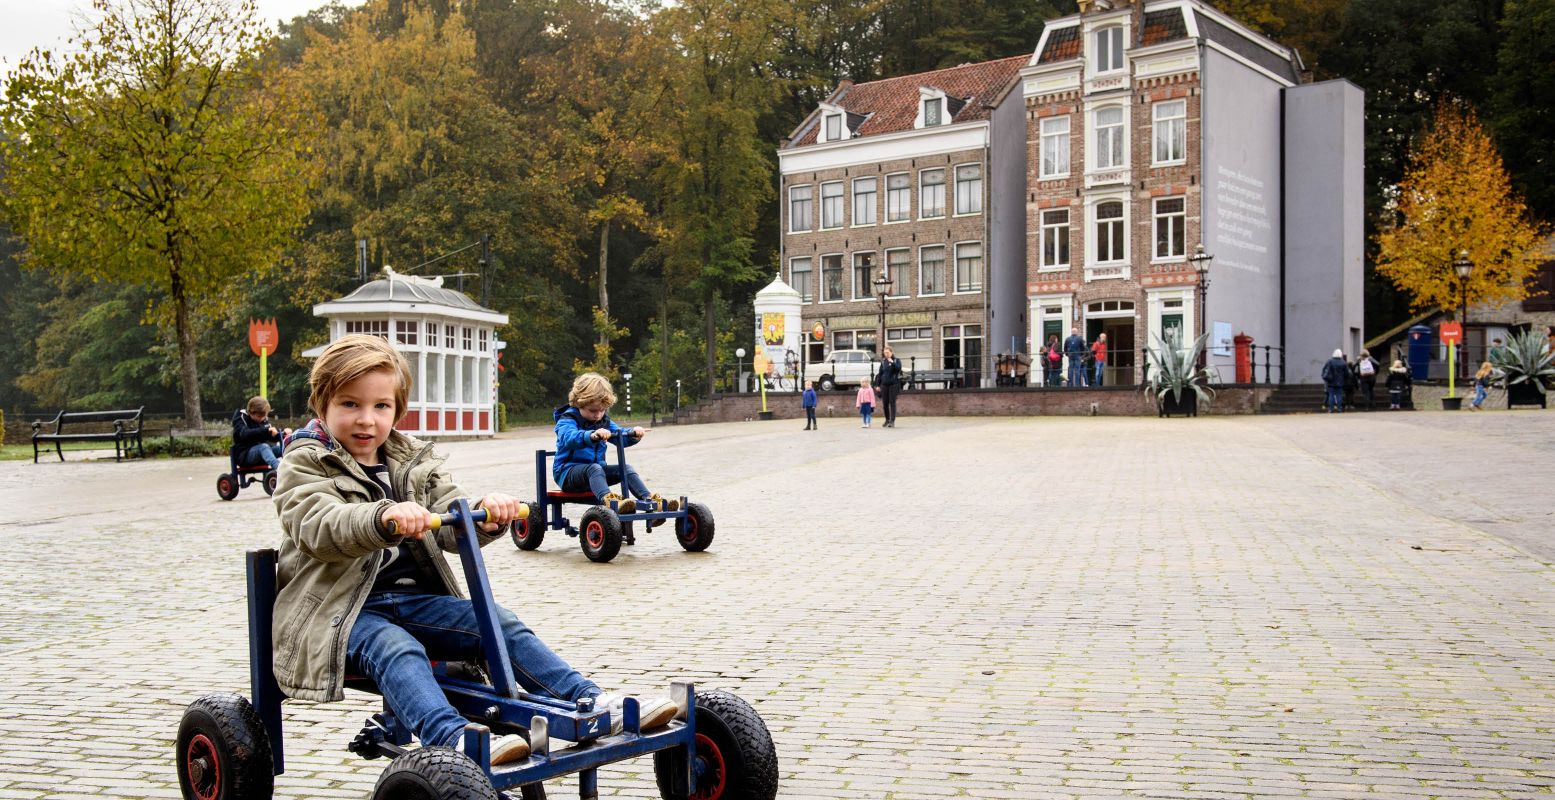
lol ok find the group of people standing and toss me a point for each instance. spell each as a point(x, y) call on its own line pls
point(882, 389)
point(1087, 362)
point(1342, 379)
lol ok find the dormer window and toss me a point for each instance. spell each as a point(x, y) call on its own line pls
point(833, 127)
point(1108, 55)
point(933, 111)
point(934, 108)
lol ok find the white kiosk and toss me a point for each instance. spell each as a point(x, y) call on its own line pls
point(779, 329)
point(449, 340)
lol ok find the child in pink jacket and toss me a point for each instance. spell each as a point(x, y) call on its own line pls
point(865, 402)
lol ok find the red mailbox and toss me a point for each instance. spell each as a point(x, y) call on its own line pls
point(1244, 357)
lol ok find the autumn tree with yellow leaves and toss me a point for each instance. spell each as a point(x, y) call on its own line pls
point(1456, 196)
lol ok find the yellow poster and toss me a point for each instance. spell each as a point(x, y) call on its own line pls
point(772, 328)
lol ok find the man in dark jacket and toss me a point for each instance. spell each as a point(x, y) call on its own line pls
point(1335, 372)
point(889, 381)
point(1074, 349)
point(254, 439)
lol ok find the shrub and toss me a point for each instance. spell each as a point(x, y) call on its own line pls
point(2, 426)
point(502, 418)
point(158, 446)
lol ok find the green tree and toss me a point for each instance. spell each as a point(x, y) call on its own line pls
point(157, 154)
point(1523, 108)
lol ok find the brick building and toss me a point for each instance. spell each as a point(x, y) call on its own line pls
point(1154, 127)
point(920, 177)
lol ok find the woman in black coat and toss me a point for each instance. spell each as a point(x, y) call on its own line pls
point(889, 381)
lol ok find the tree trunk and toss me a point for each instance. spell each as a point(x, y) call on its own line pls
point(188, 370)
point(711, 331)
point(604, 296)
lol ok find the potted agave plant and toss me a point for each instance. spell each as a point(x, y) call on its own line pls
point(1526, 367)
point(1175, 381)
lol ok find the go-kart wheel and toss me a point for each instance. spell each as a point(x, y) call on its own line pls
point(227, 486)
point(696, 531)
point(270, 479)
point(529, 532)
point(223, 752)
point(600, 534)
point(735, 758)
point(433, 773)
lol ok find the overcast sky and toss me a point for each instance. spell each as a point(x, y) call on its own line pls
point(25, 24)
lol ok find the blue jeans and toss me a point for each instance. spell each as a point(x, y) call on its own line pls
point(1076, 371)
point(268, 454)
point(1479, 395)
point(397, 633)
point(598, 478)
point(1100, 367)
point(1334, 401)
point(867, 412)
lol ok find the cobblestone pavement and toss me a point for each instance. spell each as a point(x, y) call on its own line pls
point(1336, 607)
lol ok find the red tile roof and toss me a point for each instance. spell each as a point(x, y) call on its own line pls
point(892, 104)
point(1062, 45)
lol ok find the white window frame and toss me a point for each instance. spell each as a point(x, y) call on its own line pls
point(842, 284)
point(1109, 48)
point(1058, 142)
point(830, 119)
point(1177, 221)
point(905, 192)
point(1051, 231)
point(868, 292)
point(1174, 127)
point(974, 192)
point(1096, 235)
point(901, 284)
point(921, 283)
point(872, 208)
point(827, 201)
point(981, 267)
point(923, 189)
point(806, 292)
point(932, 111)
point(1119, 131)
point(926, 95)
point(809, 215)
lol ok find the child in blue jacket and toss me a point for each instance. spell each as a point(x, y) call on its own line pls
point(809, 406)
point(583, 433)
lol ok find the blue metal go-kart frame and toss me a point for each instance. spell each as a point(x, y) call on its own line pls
point(241, 476)
point(602, 529)
point(716, 748)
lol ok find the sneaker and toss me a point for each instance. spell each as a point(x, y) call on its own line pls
point(655, 712)
point(623, 505)
point(512, 749)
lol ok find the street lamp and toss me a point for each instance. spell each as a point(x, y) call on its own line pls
point(739, 369)
point(1463, 266)
point(882, 290)
point(1201, 261)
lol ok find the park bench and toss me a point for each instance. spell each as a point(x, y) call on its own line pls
point(126, 430)
point(949, 378)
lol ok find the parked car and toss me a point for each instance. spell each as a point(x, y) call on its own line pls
point(842, 368)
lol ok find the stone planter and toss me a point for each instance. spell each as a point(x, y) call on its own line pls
point(1526, 394)
point(1187, 405)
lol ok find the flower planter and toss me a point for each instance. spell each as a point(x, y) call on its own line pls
point(1186, 406)
point(1525, 394)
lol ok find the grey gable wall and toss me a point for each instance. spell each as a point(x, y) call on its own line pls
point(1007, 227)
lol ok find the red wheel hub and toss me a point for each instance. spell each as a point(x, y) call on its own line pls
point(226, 486)
point(595, 534)
point(713, 778)
point(204, 767)
point(690, 534)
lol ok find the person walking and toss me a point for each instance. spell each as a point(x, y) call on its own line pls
point(809, 406)
point(1099, 358)
point(1074, 348)
point(865, 402)
point(1398, 385)
point(1052, 360)
point(1481, 384)
point(889, 379)
point(1335, 372)
point(1366, 373)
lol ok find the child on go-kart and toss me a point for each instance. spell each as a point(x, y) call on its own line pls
point(254, 439)
point(583, 432)
point(356, 597)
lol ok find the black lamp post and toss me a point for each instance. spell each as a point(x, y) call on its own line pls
point(1463, 266)
point(1201, 261)
point(882, 290)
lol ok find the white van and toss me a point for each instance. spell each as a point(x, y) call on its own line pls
point(842, 368)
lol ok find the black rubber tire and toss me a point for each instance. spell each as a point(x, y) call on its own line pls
point(227, 486)
point(696, 532)
point(433, 773)
point(736, 750)
point(270, 478)
point(599, 532)
point(827, 383)
point(223, 752)
point(529, 532)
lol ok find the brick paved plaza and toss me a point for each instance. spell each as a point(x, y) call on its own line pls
point(1341, 607)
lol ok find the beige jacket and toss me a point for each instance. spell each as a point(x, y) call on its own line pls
point(329, 509)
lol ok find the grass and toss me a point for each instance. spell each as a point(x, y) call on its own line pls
point(23, 452)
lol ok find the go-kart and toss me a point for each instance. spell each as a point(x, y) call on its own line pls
point(602, 529)
point(241, 476)
point(717, 747)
